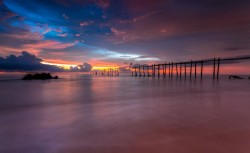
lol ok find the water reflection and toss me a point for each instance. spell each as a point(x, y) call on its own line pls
point(123, 114)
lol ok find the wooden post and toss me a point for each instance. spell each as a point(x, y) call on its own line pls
point(148, 70)
point(176, 67)
point(180, 68)
point(158, 70)
point(165, 69)
point(201, 69)
point(218, 68)
point(185, 70)
point(163, 72)
point(195, 69)
point(214, 70)
point(169, 70)
point(143, 70)
point(140, 70)
point(172, 70)
point(154, 70)
point(191, 64)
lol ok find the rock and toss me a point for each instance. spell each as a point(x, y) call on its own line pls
point(234, 77)
point(27, 77)
point(39, 76)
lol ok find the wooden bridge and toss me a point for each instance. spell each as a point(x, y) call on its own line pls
point(107, 72)
point(184, 69)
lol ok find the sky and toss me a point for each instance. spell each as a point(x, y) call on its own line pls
point(116, 33)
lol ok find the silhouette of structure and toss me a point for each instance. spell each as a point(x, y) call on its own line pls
point(106, 72)
point(179, 67)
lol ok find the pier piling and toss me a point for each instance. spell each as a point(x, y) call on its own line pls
point(191, 64)
point(214, 69)
point(195, 70)
point(218, 68)
point(201, 69)
point(173, 69)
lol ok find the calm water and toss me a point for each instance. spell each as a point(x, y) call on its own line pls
point(84, 114)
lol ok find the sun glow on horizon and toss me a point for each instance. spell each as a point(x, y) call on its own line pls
point(65, 66)
point(104, 67)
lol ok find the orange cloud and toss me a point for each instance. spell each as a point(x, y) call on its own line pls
point(25, 36)
point(50, 44)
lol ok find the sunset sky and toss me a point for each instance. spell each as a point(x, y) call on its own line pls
point(119, 32)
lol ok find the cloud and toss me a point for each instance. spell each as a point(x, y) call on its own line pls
point(25, 36)
point(25, 62)
point(81, 68)
point(29, 62)
point(84, 24)
point(63, 35)
point(50, 44)
point(65, 16)
point(103, 3)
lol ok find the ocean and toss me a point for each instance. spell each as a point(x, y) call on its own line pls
point(81, 113)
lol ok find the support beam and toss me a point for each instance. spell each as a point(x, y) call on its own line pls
point(148, 70)
point(185, 70)
point(153, 67)
point(218, 68)
point(140, 70)
point(143, 71)
point(191, 64)
point(158, 70)
point(201, 69)
point(165, 69)
point(172, 71)
point(214, 69)
point(180, 69)
point(169, 70)
point(176, 67)
point(195, 70)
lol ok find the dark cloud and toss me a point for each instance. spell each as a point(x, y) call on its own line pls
point(28, 62)
point(25, 62)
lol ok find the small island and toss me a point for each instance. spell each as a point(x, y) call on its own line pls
point(39, 76)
